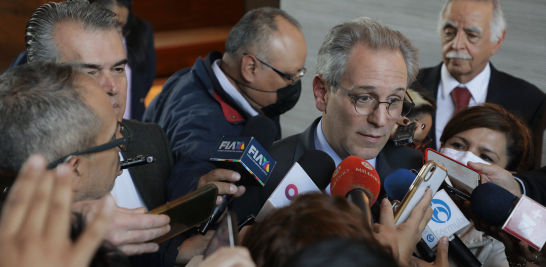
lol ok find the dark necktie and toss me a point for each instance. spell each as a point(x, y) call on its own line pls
point(461, 97)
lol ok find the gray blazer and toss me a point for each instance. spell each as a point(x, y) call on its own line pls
point(150, 139)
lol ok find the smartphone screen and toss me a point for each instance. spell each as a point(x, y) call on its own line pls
point(188, 211)
point(404, 134)
point(461, 176)
point(225, 235)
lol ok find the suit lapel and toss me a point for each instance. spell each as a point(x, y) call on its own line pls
point(431, 81)
point(306, 140)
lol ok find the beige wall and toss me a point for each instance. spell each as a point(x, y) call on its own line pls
point(523, 53)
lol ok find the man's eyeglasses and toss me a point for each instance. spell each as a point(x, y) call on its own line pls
point(292, 79)
point(366, 105)
point(122, 143)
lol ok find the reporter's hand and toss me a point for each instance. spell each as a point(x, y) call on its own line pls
point(192, 247)
point(221, 178)
point(131, 229)
point(499, 176)
point(408, 233)
point(518, 251)
point(441, 256)
point(229, 257)
point(35, 221)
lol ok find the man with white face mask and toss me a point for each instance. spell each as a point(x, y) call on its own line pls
point(471, 32)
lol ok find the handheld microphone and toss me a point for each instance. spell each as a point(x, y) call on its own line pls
point(522, 217)
point(397, 183)
point(447, 220)
point(356, 180)
point(246, 154)
point(311, 173)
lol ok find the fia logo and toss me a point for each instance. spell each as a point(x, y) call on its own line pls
point(291, 191)
point(440, 211)
point(259, 158)
point(367, 165)
point(232, 145)
point(526, 225)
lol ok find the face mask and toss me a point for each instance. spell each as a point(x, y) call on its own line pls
point(462, 156)
point(287, 97)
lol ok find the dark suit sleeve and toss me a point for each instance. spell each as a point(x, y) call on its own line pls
point(535, 184)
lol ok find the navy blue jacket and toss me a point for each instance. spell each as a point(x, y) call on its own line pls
point(195, 113)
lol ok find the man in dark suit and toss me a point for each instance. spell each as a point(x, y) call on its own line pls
point(98, 50)
point(473, 31)
point(360, 91)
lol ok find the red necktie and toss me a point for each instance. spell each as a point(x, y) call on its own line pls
point(461, 97)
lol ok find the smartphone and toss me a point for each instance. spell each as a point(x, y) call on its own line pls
point(404, 134)
point(431, 175)
point(188, 211)
point(225, 235)
point(462, 177)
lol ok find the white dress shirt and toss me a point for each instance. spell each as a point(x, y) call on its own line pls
point(128, 73)
point(322, 144)
point(477, 88)
point(125, 192)
point(231, 90)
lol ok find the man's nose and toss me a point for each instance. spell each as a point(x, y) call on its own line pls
point(108, 84)
point(379, 116)
point(458, 42)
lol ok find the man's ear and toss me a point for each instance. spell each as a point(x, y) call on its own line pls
point(75, 165)
point(248, 68)
point(497, 44)
point(320, 92)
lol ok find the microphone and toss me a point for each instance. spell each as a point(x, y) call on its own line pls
point(397, 183)
point(522, 217)
point(311, 173)
point(447, 220)
point(246, 154)
point(356, 180)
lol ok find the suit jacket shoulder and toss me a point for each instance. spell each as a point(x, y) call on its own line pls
point(535, 184)
point(150, 180)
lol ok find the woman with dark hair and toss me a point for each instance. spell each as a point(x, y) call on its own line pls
point(138, 39)
point(490, 135)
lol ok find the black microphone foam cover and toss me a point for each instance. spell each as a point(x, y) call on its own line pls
point(492, 202)
point(319, 166)
point(262, 128)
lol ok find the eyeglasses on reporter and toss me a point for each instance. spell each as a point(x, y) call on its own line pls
point(292, 79)
point(122, 143)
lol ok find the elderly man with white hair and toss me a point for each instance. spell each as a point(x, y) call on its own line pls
point(472, 31)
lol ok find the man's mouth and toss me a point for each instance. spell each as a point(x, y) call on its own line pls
point(371, 138)
point(457, 55)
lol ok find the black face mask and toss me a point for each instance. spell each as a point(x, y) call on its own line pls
point(287, 97)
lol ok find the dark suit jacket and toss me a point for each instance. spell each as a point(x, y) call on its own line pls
point(514, 94)
point(535, 184)
point(142, 79)
point(289, 150)
point(149, 139)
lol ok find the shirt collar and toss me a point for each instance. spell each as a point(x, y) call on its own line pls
point(322, 144)
point(477, 86)
point(231, 90)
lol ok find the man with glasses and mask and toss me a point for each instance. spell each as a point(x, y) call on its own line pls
point(63, 114)
point(258, 74)
point(360, 88)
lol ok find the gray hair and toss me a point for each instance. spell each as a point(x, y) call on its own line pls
point(255, 30)
point(497, 24)
point(40, 29)
point(43, 112)
point(336, 49)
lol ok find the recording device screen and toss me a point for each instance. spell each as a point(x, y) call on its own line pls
point(188, 211)
point(461, 176)
point(404, 134)
point(225, 235)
